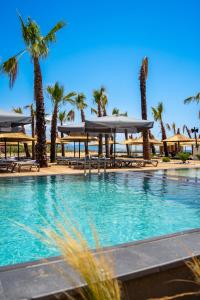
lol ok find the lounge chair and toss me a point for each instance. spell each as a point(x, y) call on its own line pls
point(26, 164)
point(145, 162)
point(7, 164)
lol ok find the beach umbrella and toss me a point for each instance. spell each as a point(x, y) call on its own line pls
point(139, 141)
point(14, 137)
point(178, 138)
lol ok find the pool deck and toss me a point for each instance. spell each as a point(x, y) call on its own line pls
point(55, 169)
point(132, 261)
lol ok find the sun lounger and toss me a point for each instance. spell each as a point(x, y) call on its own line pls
point(26, 164)
point(154, 163)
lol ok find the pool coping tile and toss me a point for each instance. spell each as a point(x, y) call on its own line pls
point(38, 279)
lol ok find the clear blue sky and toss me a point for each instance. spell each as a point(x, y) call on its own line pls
point(103, 44)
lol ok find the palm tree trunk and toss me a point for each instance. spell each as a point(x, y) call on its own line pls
point(153, 149)
point(100, 151)
point(83, 120)
point(53, 134)
point(106, 138)
point(111, 146)
point(127, 146)
point(164, 136)
point(33, 132)
point(41, 148)
point(26, 150)
point(62, 145)
point(146, 145)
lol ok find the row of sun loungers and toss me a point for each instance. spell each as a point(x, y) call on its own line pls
point(12, 165)
point(95, 162)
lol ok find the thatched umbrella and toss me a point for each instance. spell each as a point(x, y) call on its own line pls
point(139, 141)
point(178, 138)
point(14, 137)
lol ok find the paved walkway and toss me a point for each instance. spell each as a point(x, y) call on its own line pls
point(54, 169)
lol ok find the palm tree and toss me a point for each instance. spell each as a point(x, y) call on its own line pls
point(116, 112)
point(56, 93)
point(80, 104)
point(185, 128)
point(32, 112)
point(195, 99)
point(62, 117)
point(98, 98)
point(157, 114)
point(143, 77)
point(37, 46)
point(172, 127)
point(19, 110)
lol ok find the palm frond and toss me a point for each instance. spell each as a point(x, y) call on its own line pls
point(94, 111)
point(25, 31)
point(18, 110)
point(51, 35)
point(10, 67)
point(115, 111)
point(71, 115)
point(62, 116)
point(193, 99)
point(155, 113)
point(168, 126)
point(80, 101)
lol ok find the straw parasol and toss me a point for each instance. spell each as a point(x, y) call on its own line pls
point(179, 138)
point(14, 137)
point(139, 141)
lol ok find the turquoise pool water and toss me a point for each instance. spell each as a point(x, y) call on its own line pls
point(123, 207)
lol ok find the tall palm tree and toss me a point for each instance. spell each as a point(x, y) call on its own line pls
point(81, 105)
point(195, 99)
point(37, 46)
point(143, 77)
point(56, 92)
point(158, 116)
point(32, 112)
point(19, 110)
point(97, 99)
point(62, 117)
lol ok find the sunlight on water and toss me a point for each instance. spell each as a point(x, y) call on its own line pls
point(123, 207)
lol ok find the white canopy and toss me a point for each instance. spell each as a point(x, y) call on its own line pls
point(79, 128)
point(108, 124)
point(117, 124)
point(11, 119)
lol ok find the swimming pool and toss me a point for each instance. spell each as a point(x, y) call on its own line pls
point(123, 207)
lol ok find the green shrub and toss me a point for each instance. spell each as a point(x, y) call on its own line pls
point(166, 159)
point(183, 156)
